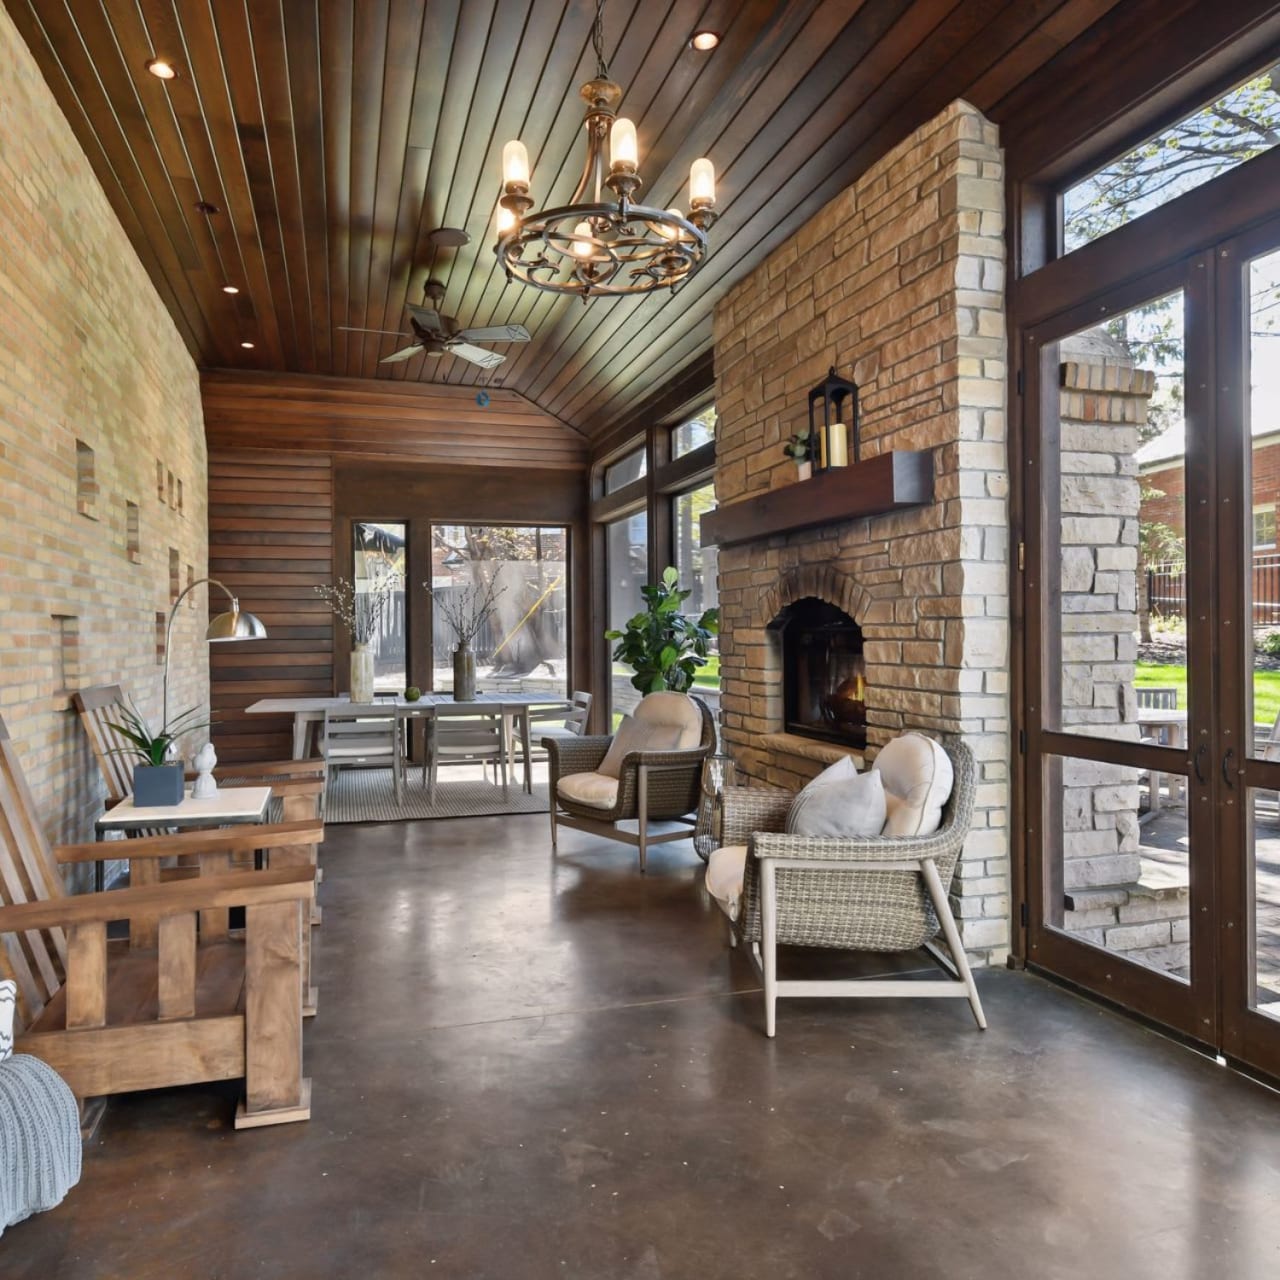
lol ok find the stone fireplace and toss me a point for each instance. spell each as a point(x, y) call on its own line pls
point(899, 283)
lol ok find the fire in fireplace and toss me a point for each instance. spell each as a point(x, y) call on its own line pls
point(824, 674)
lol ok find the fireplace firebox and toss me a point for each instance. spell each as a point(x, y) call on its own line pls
point(824, 672)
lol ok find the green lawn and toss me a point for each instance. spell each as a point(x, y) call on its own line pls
point(1266, 688)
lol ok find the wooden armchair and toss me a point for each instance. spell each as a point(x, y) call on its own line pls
point(651, 786)
point(183, 999)
point(876, 893)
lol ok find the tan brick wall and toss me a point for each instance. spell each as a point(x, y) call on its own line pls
point(88, 357)
point(899, 281)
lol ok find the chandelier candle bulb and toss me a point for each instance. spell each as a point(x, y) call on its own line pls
point(515, 164)
point(623, 152)
point(506, 220)
point(702, 183)
point(670, 232)
point(582, 246)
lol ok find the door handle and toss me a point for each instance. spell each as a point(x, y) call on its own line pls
point(1226, 768)
point(1201, 752)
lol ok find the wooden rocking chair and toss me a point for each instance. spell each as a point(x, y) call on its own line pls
point(183, 999)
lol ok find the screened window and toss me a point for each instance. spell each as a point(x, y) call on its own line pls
point(1240, 125)
point(621, 473)
point(694, 433)
point(523, 640)
point(379, 560)
point(1264, 527)
point(697, 564)
point(627, 564)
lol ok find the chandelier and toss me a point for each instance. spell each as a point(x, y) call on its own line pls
point(594, 246)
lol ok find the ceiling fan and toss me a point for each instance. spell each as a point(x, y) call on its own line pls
point(437, 335)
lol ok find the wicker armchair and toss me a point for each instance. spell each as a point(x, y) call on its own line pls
point(653, 786)
point(879, 893)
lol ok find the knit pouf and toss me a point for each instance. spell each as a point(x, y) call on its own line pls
point(39, 1138)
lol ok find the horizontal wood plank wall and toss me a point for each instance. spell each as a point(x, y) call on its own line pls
point(361, 418)
point(271, 543)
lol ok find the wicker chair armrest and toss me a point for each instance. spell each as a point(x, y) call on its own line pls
point(746, 810)
point(939, 845)
point(690, 758)
point(576, 755)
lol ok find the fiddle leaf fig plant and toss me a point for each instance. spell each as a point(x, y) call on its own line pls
point(664, 647)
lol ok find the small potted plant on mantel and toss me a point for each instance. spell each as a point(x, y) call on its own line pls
point(800, 450)
point(157, 779)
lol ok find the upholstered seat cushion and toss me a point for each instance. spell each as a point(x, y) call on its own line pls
point(726, 869)
point(918, 777)
point(592, 789)
point(839, 802)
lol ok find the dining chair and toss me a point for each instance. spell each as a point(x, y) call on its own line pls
point(363, 735)
point(461, 735)
point(563, 720)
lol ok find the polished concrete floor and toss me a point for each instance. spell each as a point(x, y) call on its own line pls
point(527, 1068)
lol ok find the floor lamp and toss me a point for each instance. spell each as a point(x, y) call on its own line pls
point(236, 624)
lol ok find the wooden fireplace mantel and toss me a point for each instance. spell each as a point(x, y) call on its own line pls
point(888, 482)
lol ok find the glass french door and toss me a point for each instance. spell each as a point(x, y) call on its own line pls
point(1152, 588)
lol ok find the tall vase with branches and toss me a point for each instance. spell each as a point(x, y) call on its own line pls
point(465, 611)
point(362, 609)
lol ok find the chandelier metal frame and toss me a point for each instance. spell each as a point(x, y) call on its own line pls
point(592, 247)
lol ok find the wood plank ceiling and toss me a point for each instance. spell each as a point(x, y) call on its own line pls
point(333, 136)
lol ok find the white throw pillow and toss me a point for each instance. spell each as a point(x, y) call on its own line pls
point(8, 1007)
point(839, 802)
point(638, 735)
point(918, 778)
point(726, 870)
point(677, 709)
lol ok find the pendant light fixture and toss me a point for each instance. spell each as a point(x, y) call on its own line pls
point(596, 246)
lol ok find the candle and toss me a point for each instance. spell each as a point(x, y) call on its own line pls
point(837, 445)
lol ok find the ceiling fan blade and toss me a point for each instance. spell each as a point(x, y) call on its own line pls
point(428, 319)
point(477, 355)
point(402, 354)
point(496, 333)
point(350, 328)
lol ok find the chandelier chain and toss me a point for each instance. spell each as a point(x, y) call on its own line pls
point(597, 39)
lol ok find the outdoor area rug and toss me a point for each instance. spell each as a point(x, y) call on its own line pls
point(366, 795)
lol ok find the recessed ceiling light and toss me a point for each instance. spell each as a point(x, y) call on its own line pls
point(230, 288)
point(248, 346)
point(161, 69)
point(704, 41)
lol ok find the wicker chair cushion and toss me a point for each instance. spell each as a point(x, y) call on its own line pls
point(725, 871)
point(917, 777)
point(638, 735)
point(839, 802)
point(592, 789)
point(676, 709)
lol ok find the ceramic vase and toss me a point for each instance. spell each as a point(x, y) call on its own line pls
point(362, 674)
point(464, 673)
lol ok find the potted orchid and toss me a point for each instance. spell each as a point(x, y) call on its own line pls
point(157, 777)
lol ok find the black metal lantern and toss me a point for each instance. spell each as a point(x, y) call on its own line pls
point(839, 399)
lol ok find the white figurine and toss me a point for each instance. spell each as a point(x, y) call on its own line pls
point(206, 761)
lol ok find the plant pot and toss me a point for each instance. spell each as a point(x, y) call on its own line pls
point(157, 786)
point(464, 674)
point(804, 470)
point(362, 674)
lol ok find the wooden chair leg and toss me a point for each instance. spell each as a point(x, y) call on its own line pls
point(642, 808)
point(769, 943)
point(552, 811)
point(275, 1090)
point(942, 909)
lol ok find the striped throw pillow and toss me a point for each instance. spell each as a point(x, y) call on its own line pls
point(8, 1003)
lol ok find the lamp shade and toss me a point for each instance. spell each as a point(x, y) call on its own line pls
point(238, 624)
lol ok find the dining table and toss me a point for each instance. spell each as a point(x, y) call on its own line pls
point(513, 705)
